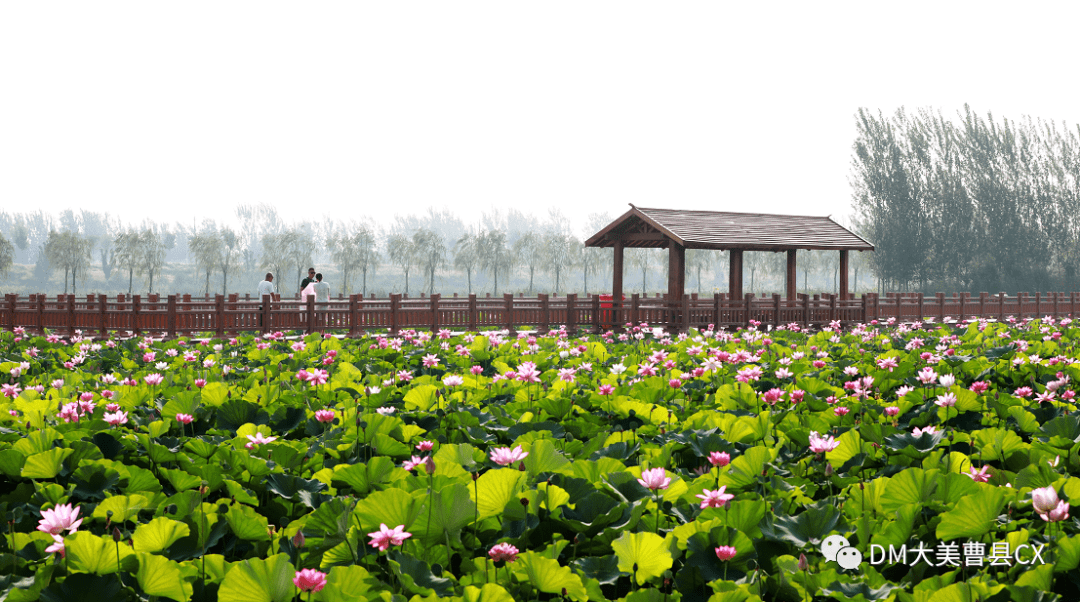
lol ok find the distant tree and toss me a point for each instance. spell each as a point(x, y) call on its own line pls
point(207, 247)
point(495, 256)
point(151, 255)
point(467, 255)
point(558, 254)
point(430, 250)
point(402, 252)
point(353, 248)
point(529, 247)
point(126, 253)
point(273, 252)
point(645, 260)
point(69, 251)
point(299, 246)
point(229, 257)
point(696, 261)
point(7, 255)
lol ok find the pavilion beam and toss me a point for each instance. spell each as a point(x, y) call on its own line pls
point(843, 274)
point(792, 276)
point(735, 274)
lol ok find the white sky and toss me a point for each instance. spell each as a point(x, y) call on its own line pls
point(184, 110)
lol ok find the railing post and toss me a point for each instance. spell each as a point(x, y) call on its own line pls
point(571, 314)
point(354, 315)
point(12, 300)
point(103, 317)
point(865, 309)
point(685, 314)
point(941, 307)
point(982, 305)
point(219, 315)
point(776, 310)
point(170, 317)
point(136, 311)
point(472, 312)
point(508, 309)
point(1055, 304)
point(747, 302)
point(395, 304)
point(71, 314)
point(545, 314)
point(309, 315)
point(834, 314)
point(434, 300)
point(41, 313)
point(963, 306)
point(635, 309)
point(716, 311)
point(595, 300)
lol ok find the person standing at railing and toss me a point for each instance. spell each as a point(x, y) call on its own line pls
point(310, 278)
point(266, 287)
point(322, 293)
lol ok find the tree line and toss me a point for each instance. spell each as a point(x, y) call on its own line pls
point(975, 203)
point(431, 252)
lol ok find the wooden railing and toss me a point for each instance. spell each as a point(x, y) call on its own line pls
point(182, 315)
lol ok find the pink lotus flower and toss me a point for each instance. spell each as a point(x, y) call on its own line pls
point(720, 459)
point(318, 377)
point(772, 396)
point(476, 370)
point(153, 379)
point(386, 411)
point(725, 552)
point(820, 445)
point(200, 382)
point(892, 411)
point(430, 360)
point(184, 418)
point(528, 373)
point(818, 364)
point(258, 439)
point(947, 400)
point(504, 456)
point(384, 537)
point(714, 499)
point(425, 446)
point(1044, 499)
point(310, 580)
point(918, 432)
point(11, 391)
point(654, 479)
point(504, 552)
point(324, 415)
point(979, 476)
point(57, 546)
point(453, 380)
point(413, 462)
point(59, 519)
point(927, 376)
point(841, 411)
point(1023, 392)
point(116, 418)
point(606, 390)
point(888, 363)
point(1058, 513)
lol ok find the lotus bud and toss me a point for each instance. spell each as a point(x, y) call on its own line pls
point(116, 535)
point(803, 563)
point(525, 502)
point(828, 470)
point(298, 539)
point(429, 465)
point(475, 476)
point(521, 466)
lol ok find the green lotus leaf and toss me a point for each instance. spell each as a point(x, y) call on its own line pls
point(391, 507)
point(159, 576)
point(247, 524)
point(973, 516)
point(158, 534)
point(548, 576)
point(123, 507)
point(643, 555)
point(89, 553)
point(46, 464)
point(495, 488)
point(347, 584)
point(258, 580)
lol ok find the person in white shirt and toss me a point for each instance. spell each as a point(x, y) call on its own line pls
point(266, 287)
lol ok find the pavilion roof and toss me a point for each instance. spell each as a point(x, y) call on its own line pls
point(652, 228)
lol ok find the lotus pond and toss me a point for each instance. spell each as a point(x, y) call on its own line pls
point(638, 465)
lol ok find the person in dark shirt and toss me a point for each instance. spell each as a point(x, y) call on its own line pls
point(310, 278)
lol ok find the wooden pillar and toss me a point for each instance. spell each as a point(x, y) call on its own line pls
point(219, 318)
point(571, 314)
point(170, 317)
point(266, 299)
point(354, 315)
point(395, 303)
point(103, 306)
point(435, 297)
point(472, 312)
point(735, 274)
point(676, 271)
point(792, 277)
point(617, 273)
point(844, 274)
point(508, 302)
point(136, 308)
point(545, 314)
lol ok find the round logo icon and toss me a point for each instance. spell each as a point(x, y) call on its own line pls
point(849, 557)
point(832, 545)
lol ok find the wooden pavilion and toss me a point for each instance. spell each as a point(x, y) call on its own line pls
point(678, 230)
